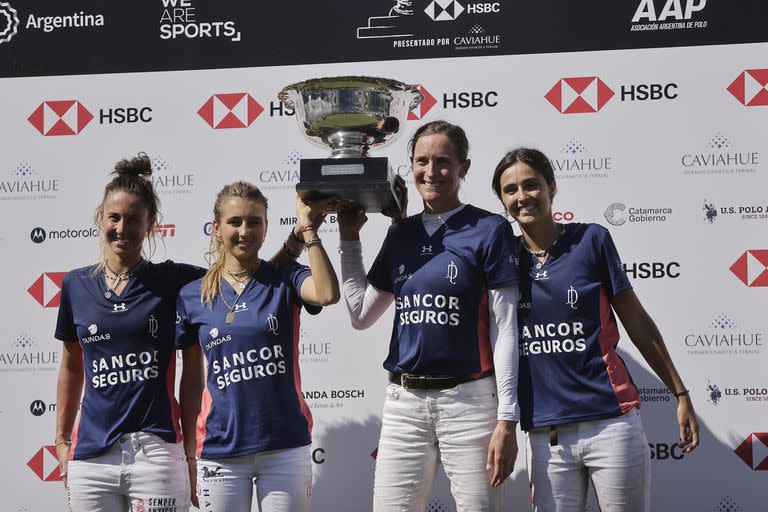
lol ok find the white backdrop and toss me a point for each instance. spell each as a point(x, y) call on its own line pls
point(701, 145)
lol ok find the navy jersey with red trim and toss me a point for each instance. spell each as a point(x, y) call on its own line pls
point(129, 359)
point(440, 283)
point(569, 368)
point(252, 399)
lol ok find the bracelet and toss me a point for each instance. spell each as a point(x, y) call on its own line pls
point(314, 241)
point(189, 459)
point(684, 392)
point(293, 236)
point(289, 252)
point(308, 227)
point(63, 441)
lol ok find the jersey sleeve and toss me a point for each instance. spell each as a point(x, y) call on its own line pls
point(65, 323)
point(186, 333)
point(497, 257)
point(379, 275)
point(614, 277)
point(297, 273)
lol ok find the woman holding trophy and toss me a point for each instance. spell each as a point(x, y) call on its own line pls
point(452, 358)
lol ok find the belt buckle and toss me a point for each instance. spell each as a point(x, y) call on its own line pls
point(412, 381)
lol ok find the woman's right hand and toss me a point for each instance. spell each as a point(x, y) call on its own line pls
point(192, 467)
point(350, 223)
point(62, 454)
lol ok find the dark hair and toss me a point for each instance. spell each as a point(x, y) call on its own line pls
point(454, 133)
point(534, 158)
point(132, 176)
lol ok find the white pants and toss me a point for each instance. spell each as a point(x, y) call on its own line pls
point(141, 473)
point(421, 428)
point(612, 453)
point(283, 482)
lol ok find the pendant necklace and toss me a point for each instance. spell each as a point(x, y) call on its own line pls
point(119, 278)
point(543, 254)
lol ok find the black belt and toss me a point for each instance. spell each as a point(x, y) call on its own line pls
point(413, 381)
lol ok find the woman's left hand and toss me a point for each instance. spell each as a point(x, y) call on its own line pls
point(313, 213)
point(502, 452)
point(689, 427)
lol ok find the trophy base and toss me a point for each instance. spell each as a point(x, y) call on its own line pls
point(366, 183)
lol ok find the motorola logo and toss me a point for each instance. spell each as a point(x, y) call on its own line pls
point(38, 235)
point(38, 407)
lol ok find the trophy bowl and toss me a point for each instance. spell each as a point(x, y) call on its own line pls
point(350, 115)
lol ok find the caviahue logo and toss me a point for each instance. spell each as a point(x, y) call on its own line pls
point(25, 184)
point(45, 464)
point(579, 95)
point(9, 22)
point(46, 289)
point(751, 87)
point(754, 451)
point(720, 157)
point(752, 267)
point(723, 337)
point(728, 504)
point(25, 358)
point(424, 107)
point(577, 162)
point(64, 117)
point(284, 177)
point(181, 20)
point(230, 110)
point(167, 181)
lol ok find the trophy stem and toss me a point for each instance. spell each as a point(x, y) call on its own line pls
point(349, 144)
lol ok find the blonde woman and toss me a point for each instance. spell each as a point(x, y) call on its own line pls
point(242, 318)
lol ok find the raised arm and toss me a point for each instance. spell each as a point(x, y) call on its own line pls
point(322, 287)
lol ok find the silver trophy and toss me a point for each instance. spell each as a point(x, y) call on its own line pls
point(351, 114)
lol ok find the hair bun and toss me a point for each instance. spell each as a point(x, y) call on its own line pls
point(140, 165)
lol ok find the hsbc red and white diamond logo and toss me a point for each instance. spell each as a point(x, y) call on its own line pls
point(754, 451)
point(234, 110)
point(579, 95)
point(751, 87)
point(64, 117)
point(752, 268)
point(47, 289)
point(425, 106)
point(45, 464)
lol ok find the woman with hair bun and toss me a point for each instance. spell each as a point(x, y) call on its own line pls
point(242, 318)
point(116, 321)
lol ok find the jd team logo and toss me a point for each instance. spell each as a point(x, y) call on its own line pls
point(235, 110)
point(47, 289)
point(45, 464)
point(754, 451)
point(751, 87)
point(425, 106)
point(752, 268)
point(9, 22)
point(65, 117)
point(579, 95)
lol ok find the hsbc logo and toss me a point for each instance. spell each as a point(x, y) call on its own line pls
point(64, 117)
point(444, 10)
point(579, 95)
point(424, 107)
point(9, 22)
point(46, 289)
point(751, 87)
point(754, 451)
point(234, 110)
point(752, 268)
point(45, 464)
